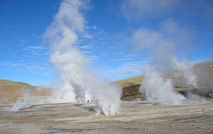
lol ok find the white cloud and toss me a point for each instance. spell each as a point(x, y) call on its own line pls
point(35, 51)
point(136, 9)
point(141, 9)
point(201, 59)
point(164, 43)
point(94, 27)
point(11, 65)
point(91, 27)
point(169, 35)
point(40, 68)
point(85, 47)
point(34, 47)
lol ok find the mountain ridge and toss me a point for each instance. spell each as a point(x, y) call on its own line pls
point(12, 90)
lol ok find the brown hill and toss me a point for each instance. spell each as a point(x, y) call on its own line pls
point(204, 71)
point(11, 90)
point(129, 81)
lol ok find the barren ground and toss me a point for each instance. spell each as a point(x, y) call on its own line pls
point(135, 117)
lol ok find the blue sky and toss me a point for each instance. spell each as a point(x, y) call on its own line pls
point(112, 24)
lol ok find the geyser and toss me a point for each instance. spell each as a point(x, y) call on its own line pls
point(165, 66)
point(72, 66)
point(159, 89)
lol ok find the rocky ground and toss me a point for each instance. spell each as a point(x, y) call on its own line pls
point(135, 117)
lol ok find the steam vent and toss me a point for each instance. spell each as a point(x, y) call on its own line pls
point(106, 67)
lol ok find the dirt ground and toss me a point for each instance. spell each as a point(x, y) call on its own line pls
point(136, 117)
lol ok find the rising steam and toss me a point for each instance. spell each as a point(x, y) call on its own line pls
point(158, 84)
point(159, 89)
point(62, 34)
point(72, 66)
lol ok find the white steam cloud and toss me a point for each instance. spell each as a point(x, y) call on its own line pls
point(159, 89)
point(27, 101)
point(156, 9)
point(72, 66)
point(157, 84)
point(205, 73)
point(62, 34)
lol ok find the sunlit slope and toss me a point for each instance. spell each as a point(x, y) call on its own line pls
point(204, 71)
point(11, 90)
point(129, 81)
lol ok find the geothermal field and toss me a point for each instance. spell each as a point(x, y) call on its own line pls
point(81, 55)
point(192, 116)
point(178, 109)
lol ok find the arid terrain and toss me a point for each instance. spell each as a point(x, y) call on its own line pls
point(204, 81)
point(106, 67)
point(10, 91)
point(135, 117)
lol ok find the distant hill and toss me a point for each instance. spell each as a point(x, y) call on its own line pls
point(129, 81)
point(203, 70)
point(12, 90)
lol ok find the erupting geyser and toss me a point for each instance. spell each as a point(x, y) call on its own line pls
point(72, 65)
point(159, 89)
point(164, 44)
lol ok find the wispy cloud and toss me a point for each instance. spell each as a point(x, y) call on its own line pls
point(169, 34)
point(85, 47)
point(91, 27)
point(34, 48)
point(36, 51)
point(125, 70)
point(141, 9)
point(201, 59)
point(11, 65)
point(35, 67)
point(137, 9)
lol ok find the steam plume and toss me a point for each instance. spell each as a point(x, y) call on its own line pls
point(62, 34)
point(157, 84)
point(159, 89)
point(72, 66)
